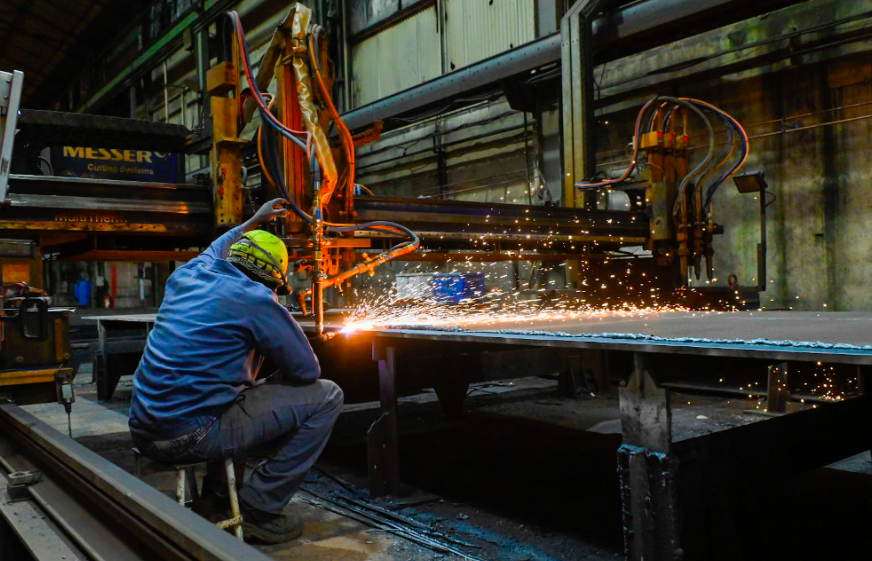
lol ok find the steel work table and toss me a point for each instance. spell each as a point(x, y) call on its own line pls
point(840, 337)
point(670, 488)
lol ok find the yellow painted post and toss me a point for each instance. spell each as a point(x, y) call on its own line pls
point(226, 159)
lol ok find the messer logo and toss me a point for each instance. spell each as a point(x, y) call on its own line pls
point(113, 154)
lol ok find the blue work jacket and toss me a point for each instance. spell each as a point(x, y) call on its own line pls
point(212, 333)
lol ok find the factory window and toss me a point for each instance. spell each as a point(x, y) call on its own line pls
point(399, 57)
point(478, 29)
point(410, 52)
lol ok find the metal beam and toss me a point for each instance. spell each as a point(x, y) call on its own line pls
point(579, 145)
point(146, 256)
point(161, 47)
point(107, 204)
point(528, 57)
point(10, 97)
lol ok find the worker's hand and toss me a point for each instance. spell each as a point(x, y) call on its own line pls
point(270, 211)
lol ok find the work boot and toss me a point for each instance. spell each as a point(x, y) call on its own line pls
point(268, 527)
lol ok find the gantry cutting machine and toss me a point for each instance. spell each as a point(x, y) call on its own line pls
point(678, 190)
point(336, 230)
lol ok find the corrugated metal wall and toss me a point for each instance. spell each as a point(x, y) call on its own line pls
point(401, 56)
point(478, 29)
point(410, 52)
point(497, 167)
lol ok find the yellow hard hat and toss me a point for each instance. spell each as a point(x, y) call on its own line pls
point(263, 255)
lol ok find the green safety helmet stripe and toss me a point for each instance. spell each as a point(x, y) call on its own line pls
point(269, 244)
point(260, 258)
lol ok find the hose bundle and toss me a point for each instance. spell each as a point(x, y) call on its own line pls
point(706, 168)
point(268, 153)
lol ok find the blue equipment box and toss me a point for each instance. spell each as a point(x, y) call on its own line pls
point(454, 287)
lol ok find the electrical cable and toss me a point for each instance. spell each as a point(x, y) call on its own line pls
point(743, 136)
point(728, 153)
point(269, 163)
point(636, 136)
point(259, 142)
point(728, 126)
point(654, 117)
point(680, 201)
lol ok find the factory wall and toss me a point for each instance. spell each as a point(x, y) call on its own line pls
point(439, 39)
point(486, 153)
point(402, 56)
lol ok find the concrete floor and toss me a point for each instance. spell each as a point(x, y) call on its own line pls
point(525, 475)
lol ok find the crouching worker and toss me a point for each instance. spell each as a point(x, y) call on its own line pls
point(194, 395)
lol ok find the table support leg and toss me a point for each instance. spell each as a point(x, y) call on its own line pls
point(381, 439)
point(778, 393)
point(864, 382)
point(648, 469)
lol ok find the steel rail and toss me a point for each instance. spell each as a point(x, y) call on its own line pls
point(58, 202)
point(146, 522)
point(62, 182)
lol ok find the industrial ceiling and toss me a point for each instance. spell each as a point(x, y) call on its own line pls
point(51, 41)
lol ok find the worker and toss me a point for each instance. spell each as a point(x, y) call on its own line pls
point(196, 397)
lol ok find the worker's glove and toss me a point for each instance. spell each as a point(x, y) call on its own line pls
point(269, 211)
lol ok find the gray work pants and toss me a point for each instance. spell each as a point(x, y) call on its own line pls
point(289, 424)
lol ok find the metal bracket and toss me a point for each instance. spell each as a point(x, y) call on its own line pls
point(19, 481)
point(646, 418)
point(572, 382)
point(648, 471)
